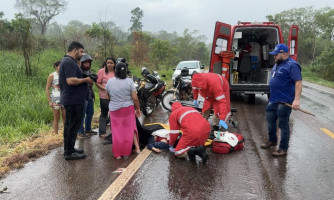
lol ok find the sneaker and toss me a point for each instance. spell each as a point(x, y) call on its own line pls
point(91, 132)
point(267, 145)
point(279, 153)
point(80, 151)
point(83, 135)
point(75, 156)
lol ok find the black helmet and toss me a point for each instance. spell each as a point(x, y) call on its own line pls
point(185, 72)
point(121, 70)
point(122, 60)
point(144, 71)
point(86, 57)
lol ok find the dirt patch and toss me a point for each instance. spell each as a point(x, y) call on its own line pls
point(16, 155)
point(27, 150)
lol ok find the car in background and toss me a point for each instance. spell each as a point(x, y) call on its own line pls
point(192, 65)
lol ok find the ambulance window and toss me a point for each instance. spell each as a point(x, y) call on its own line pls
point(221, 45)
point(292, 47)
point(225, 30)
point(294, 32)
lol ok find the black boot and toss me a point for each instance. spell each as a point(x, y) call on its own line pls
point(201, 152)
point(192, 153)
point(212, 135)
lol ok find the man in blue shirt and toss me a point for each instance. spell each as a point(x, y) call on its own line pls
point(73, 92)
point(285, 87)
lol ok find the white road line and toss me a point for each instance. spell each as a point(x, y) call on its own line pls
point(116, 187)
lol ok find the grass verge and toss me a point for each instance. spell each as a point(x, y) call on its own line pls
point(15, 155)
point(312, 77)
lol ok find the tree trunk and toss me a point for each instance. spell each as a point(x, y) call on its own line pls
point(314, 48)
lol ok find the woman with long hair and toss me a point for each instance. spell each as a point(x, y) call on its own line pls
point(123, 107)
point(103, 75)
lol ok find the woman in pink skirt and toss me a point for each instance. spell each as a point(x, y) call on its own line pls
point(123, 106)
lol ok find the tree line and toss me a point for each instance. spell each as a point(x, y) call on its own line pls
point(316, 36)
point(30, 33)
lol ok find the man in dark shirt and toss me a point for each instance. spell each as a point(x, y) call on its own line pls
point(73, 92)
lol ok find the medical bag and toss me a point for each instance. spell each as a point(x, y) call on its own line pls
point(223, 147)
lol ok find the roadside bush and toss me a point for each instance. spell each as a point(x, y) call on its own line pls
point(324, 64)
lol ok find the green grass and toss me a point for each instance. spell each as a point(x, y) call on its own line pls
point(310, 76)
point(24, 110)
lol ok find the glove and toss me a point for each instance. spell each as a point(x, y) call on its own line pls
point(195, 103)
point(222, 123)
point(171, 149)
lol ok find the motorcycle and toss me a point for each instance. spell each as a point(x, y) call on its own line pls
point(181, 91)
point(149, 95)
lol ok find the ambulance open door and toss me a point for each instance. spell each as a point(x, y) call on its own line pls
point(293, 41)
point(221, 42)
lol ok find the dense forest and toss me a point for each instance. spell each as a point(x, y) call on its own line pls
point(30, 44)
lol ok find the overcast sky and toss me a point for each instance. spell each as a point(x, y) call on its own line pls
point(172, 15)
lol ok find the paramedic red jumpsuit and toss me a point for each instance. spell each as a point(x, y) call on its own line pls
point(215, 89)
point(195, 129)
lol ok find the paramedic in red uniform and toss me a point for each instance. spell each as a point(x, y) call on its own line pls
point(195, 130)
point(215, 90)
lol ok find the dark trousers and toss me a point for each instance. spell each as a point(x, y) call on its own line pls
point(159, 145)
point(104, 104)
point(72, 126)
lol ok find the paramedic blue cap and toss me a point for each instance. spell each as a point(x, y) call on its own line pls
point(280, 48)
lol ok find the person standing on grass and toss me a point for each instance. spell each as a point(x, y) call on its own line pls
point(73, 93)
point(54, 97)
point(103, 75)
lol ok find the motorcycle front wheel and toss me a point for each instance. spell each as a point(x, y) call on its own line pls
point(150, 106)
point(168, 97)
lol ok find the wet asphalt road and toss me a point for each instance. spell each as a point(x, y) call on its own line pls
point(307, 172)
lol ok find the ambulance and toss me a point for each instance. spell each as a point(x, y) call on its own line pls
point(241, 54)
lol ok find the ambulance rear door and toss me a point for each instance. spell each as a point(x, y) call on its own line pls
point(221, 42)
point(293, 41)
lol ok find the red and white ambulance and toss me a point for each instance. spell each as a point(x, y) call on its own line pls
point(241, 54)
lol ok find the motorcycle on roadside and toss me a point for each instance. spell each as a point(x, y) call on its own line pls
point(149, 92)
point(182, 90)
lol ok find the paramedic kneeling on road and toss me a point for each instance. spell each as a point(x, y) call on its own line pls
point(195, 130)
point(285, 87)
point(215, 90)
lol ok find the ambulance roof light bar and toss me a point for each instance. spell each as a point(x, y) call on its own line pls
point(245, 23)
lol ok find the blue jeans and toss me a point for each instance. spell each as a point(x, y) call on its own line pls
point(87, 116)
point(281, 113)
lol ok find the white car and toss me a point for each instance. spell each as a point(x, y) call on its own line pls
point(192, 65)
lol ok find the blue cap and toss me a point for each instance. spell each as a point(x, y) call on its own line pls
point(280, 48)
